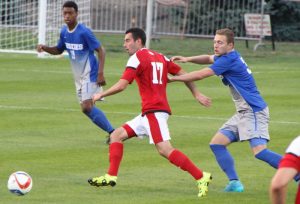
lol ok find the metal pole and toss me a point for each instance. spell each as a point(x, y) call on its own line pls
point(260, 42)
point(149, 22)
point(42, 24)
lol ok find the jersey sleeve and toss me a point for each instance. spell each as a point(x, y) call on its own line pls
point(294, 147)
point(133, 61)
point(172, 67)
point(131, 68)
point(129, 74)
point(61, 44)
point(91, 40)
point(221, 64)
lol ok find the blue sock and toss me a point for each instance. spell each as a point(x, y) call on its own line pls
point(99, 118)
point(273, 159)
point(270, 157)
point(224, 160)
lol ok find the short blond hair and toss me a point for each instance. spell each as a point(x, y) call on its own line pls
point(228, 33)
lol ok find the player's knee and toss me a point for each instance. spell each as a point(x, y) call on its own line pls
point(86, 109)
point(277, 184)
point(222, 139)
point(116, 138)
point(217, 147)
point(161, 152)
point(118, 135)
point(258, 145)
point(259, 151)
point(164, 148)
point(164, 152)
point(87, 106)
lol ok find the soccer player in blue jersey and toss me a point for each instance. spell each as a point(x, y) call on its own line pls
point(250, 122)
point(81, 43)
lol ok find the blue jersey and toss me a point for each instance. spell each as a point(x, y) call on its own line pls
point(80, 44)
point(236, 74)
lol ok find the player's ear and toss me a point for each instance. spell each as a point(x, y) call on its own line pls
point(139, 40)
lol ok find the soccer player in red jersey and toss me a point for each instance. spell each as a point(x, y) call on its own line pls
point(149, 69)
point(289, 167)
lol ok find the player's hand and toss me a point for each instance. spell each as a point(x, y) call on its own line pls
point(101, 80)
point(39, 48)
point(170, 79)
point(203, 100)
point(179, 59)
point(97, 97)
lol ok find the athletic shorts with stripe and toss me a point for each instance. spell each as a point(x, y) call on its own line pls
point(247, 125)
point(154, 125)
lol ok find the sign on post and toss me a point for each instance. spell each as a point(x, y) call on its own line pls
point(257, 24)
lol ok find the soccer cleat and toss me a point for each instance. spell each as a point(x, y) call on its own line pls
point(203, 184)
point(106, 180)
point(234, 186)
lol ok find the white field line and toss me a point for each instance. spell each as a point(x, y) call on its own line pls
point(121, 113)
point(275, 71)
point(51, 71)
point(5, 107)
point(119, 73)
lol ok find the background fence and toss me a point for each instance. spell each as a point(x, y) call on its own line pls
point(197, 18)
point(20, 19)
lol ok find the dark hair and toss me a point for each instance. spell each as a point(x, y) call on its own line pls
point(137, 33)
point(228, 33)
point(71, 4)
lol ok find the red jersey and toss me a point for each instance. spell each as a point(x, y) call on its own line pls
point(292, 160)
point(150, 70)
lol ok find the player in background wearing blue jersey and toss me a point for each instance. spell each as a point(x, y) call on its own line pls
point(81, 43)
point(250, 122)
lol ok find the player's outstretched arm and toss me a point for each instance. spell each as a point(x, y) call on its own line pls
point(179, 59)
point(193, 76)
point(50, 50)
point(121, 85)
point(199, 59)
point(201, 98)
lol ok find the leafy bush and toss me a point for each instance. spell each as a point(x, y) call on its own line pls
point(285, 17)
point(205, 17)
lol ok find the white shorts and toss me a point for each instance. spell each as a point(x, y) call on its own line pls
point(247, 125)
point(154, 125)
point(86, 90)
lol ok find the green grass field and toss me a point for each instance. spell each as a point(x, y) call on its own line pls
point(43, 132)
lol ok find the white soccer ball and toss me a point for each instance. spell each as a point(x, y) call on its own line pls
point(19, 183)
